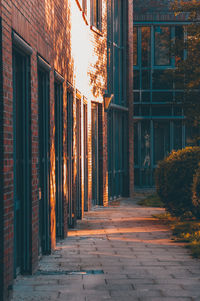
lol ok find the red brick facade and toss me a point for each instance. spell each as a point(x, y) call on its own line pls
point(61, 33)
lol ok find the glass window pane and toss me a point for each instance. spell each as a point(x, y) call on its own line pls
point(146, 177)
point(162, 96)
point(136, 80)
point(179, 96)
point(161, 110)
point(136, 96)
point(146, 46)
point(177, 111)
point(136, 177)
point(95, 12)
point(161, 81)
point(146, 96)
point(145, 110)
point(177, 135)
point(136, 110)
point(162, 46)
point(161, 140)
point(135, 46)
point(190, 134)
point(179, 43)
point(145, 144)
point(136, 160)
point(146, 79)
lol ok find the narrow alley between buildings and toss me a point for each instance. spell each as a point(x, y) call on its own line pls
point(116, 253)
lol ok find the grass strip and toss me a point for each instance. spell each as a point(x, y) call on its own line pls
point(152, 200)
point(187, 231)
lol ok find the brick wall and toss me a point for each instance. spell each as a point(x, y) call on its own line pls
point(57, 31)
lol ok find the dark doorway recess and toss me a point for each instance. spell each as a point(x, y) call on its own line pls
point(85, 123)
point(70, 161)
point(22, 161)
point(58, 88)
point(78, 160)
point(44, 157)
point(95, 155)
point(117, 154)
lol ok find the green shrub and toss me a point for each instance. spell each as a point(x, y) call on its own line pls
point(196, 192)
point(174, 178)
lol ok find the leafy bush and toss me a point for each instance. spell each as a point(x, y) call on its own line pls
point(174, 178)
point(196, 192)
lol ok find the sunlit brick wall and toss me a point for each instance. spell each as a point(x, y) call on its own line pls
point(57, 31)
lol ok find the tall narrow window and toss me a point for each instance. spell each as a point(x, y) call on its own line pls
point(179, 43)
point(22, 159)
point(44, 151)
point(22, 154)
point(135, 46)
point(95, 155)
point(146, 46)
point(58, 88)
point(78, 160)
point(162, 45)
point(84, 6)
point(70, 159)
point(96, 13)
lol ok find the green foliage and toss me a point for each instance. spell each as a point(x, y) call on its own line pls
point(196, 193)
point(188, 232)
point(152, 200)
point(174, 178)
point(184, 231)
point(186, 75)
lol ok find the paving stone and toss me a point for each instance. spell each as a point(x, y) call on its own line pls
point(165, 299)
point(132, 252)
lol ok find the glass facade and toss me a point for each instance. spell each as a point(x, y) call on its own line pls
point(158, 116)
point(118, 111)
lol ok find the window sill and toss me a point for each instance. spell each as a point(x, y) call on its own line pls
point(96, 30)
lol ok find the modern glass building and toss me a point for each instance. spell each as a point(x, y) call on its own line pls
point(159, 125)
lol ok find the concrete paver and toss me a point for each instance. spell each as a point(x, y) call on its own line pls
point(117, 253)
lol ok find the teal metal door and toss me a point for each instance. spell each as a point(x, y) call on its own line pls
point(117, 154)
point(44, 160)
point(85, 122)
point(95, 156)
point(78, 160)
point(70, 161)
point(59, 159)
point(22, 162)
point(1, 172)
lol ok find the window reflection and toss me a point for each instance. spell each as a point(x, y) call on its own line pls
point(162, 46)
point(161, 140)
point(135, 46)
point(146, 46)
point(179, 43)
point(136, 80)
point(177, 135)
point(146, 79)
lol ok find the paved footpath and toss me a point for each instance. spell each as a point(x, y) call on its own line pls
point(118, 253)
